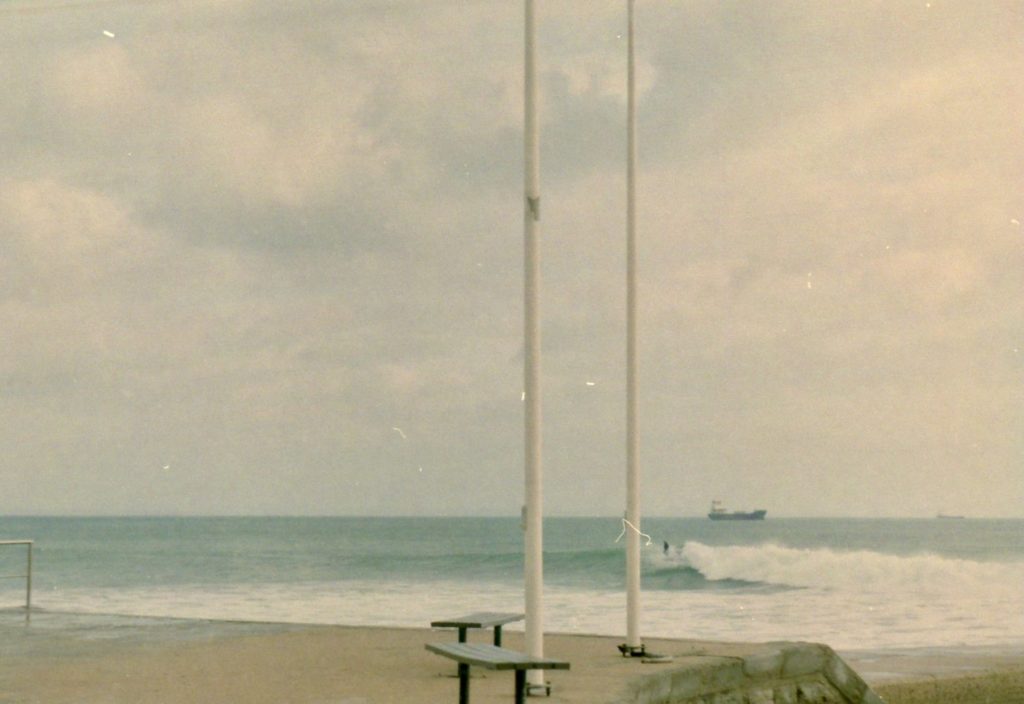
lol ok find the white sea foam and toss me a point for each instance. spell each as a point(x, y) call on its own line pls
point(849, 599)
point(842, 618)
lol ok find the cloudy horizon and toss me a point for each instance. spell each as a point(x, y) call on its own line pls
point(267, 259)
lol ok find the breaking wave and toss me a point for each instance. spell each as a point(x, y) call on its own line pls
point(823, 568)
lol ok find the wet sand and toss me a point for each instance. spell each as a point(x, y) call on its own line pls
point(84, 659)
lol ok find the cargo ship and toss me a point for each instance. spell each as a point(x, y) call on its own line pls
point(718, 513)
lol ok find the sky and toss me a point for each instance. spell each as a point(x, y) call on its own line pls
point(267, 258)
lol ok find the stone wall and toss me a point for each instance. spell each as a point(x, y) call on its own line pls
point(781, 673)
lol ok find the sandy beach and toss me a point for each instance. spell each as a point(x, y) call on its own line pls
point(65, 658)
point(937, 675)
point(999, 686)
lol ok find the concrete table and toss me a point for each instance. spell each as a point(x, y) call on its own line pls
point(482, 619)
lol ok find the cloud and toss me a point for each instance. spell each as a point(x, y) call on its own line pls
point(63, 236)
point(249, 240)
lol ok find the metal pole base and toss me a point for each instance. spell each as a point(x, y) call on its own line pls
point(633, 651)
point(538, 690)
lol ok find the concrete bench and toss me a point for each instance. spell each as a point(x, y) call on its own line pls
point(493, 658)
point(481, 619)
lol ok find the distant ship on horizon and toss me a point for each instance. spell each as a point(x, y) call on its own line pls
point(718, 513)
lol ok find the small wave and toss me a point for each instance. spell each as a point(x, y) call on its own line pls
point(682, 578)
point(823, 568)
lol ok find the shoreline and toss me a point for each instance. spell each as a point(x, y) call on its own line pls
point(930, 659)
point(66, 657)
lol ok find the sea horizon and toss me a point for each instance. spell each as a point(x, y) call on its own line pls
point(702, 515)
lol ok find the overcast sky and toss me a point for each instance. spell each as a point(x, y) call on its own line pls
point(263, 257)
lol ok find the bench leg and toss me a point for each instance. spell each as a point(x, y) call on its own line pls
point(462, 635)
point(464, 683)
point(497, 636)
point(520, 686)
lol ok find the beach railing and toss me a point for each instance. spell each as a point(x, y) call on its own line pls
point(28, 570)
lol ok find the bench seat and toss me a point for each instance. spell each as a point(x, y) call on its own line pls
point(493, 658)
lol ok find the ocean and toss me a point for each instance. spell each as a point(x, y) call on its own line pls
point(850, 583)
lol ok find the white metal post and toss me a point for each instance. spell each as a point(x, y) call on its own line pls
point(533, 512)
point(632, 469)
point(28, 581)
point(28, 572)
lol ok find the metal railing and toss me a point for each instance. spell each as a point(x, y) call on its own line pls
point(28, 571)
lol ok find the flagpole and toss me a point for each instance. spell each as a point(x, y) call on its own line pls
point(533, 510)
point(633, 643)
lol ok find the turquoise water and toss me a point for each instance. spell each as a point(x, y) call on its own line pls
point(852, 583)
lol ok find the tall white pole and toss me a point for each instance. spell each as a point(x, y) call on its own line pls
point(533, 511)
point(632, 470)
